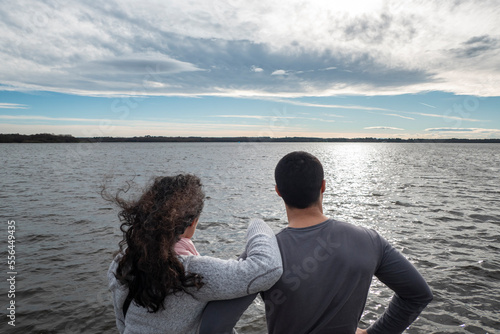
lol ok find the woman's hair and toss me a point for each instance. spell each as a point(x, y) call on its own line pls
point(151, 226)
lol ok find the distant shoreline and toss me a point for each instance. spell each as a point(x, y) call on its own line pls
point(51, 138)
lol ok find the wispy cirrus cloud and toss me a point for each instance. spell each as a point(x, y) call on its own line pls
point(461, 130)
point(427, 105)
point(444, 116)
point(382, 128)
point(264, 117)
point(400, 116)
point(328, 106)
point(13, 106)
point(30, 120)
point(46, 118)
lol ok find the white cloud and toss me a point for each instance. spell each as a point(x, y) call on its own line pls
point(13, 106)
point(461, 130)
point(279, 117)
point(205, 48)
point(427, 105)
point(444, 116)
point(329, 106)
point(400, 116)
point(279, 72)
point(382, 128)
point(46, 118)
point(242, 116)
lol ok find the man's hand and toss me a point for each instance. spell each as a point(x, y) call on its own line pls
point(361, 331)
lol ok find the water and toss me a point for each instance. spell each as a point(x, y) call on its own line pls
point(437, 203)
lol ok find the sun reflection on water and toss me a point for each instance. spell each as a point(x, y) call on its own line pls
point(352, 173)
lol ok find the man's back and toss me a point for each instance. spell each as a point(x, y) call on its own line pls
point(328, 269)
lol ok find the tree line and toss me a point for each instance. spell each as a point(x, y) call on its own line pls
point(52, 138)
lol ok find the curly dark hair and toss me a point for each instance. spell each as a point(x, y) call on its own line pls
point(151, 226)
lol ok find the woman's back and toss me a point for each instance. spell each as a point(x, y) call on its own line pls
point(182, 312)
point(223, 279)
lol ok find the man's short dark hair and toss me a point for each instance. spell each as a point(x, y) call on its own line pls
point(299, 176)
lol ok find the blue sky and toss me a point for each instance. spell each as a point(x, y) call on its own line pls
point(248, 68)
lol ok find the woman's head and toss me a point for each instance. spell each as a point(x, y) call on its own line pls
point(151, 226)
point(169, 205)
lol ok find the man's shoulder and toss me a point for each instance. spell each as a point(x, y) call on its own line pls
point(318, 228)
point(331, 226)
point(358, 231)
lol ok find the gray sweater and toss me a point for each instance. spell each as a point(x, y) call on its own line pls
point(224, 279)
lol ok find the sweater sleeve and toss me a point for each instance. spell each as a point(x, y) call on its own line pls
point(227, 279)
point(412, 294)
point(118, 294)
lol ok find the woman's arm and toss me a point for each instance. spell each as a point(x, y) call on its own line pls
point(227, 279)
point(118, 294)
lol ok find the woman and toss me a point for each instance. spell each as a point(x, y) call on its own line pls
point(158, 283)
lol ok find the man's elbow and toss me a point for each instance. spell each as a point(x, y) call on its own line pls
point(428, 297)
point(425, 297)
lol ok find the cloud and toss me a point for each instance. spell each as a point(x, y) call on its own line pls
point(330, 106)
point(243, 116)
point(276, 117)
point(427, 105)
point(13, 106)
point(477, 46)
point(91, 127)
point(382, 128)
point(201, 48)
point(461, 130)
point(279, 72)
point(400, 116)
point(104, 122)
point(135, 64)
point(450, 129)
point(46, 118)
point(444, 116)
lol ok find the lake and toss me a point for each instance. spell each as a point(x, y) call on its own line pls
point(439, 204)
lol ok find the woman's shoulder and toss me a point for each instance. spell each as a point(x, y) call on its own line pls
point(113, 282)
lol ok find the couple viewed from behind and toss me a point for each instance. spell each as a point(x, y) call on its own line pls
point(314, 275)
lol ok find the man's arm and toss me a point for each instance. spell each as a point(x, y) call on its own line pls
point(412, 294)
point(220, 317)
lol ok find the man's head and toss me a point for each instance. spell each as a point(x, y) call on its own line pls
point(299, 178)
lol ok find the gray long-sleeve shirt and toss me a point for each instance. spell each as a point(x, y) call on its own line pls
point(328, 269)
point(224, 279)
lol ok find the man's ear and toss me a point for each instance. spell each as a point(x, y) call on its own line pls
point(323, 186)
point(277, 191)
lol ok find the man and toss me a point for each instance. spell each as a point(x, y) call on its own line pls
point(328, 267)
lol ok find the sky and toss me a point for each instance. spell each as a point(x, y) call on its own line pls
point(385, 69)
